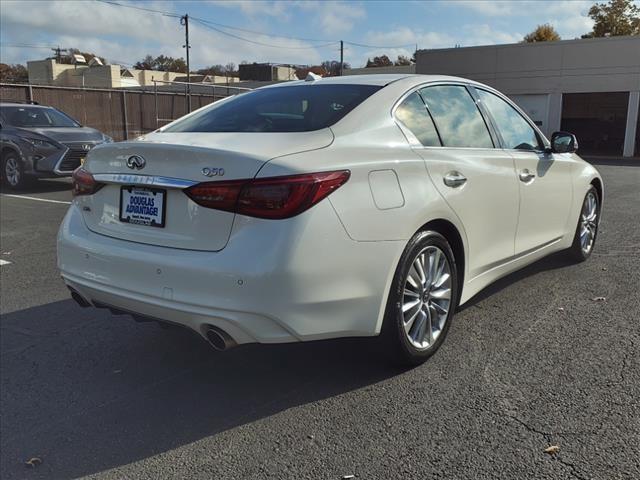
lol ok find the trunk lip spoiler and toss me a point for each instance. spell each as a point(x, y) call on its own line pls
point(150, 180)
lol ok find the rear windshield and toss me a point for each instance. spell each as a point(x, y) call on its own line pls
point(36, 117)
point(299, 108)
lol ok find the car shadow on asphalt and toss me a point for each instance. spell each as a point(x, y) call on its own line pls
point(614, 161)
point(552, 262)
point(86, 391)
point(40, 186)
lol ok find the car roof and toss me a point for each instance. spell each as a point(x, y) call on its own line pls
point(19, 104)
point(379, 79)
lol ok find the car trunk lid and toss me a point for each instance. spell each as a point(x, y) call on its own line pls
point(172, 162)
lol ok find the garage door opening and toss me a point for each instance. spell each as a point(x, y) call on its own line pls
point(598, 120)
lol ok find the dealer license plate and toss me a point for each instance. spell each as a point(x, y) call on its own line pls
point(143, 206)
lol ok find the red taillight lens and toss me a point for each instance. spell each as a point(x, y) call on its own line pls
point(273, 198)
point(83, 183)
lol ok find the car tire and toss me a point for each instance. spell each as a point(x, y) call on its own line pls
point(584, 239)
point(13, 175)
point(422, 300)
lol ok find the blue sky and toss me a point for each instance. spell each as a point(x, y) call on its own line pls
point(124, 35)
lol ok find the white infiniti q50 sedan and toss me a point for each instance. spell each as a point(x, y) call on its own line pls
point(345, 206)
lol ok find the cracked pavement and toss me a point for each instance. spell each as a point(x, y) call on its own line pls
point(532, 362)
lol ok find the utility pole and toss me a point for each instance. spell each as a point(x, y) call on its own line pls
point(184, 20)
point(341, 56)
point(58, 51)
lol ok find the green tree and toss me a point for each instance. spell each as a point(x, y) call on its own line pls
point(332, 67)
point(381, 61)
point(162, 63)
point(13, 73)
point(217, 69)
point(542, 33)
point(618, 17)
point(403, 60)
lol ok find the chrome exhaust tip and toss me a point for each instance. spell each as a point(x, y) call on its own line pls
point(219, 339)
point(79, 299)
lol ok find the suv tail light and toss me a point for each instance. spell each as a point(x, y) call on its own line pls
point(272, 198)
point(84, 183)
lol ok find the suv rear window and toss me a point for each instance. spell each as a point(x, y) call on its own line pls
point(299, 108)
point(26, 117)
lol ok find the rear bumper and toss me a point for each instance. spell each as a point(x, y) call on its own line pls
point(276, 281)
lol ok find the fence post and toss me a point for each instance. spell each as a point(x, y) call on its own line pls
point(30, 93)
point(155, 101)
point(124, 113)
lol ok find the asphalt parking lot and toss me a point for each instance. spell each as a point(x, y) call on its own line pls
point(540, 359)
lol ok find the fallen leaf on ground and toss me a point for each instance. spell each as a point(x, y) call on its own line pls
point(560, 309)
point(552, 450)
point(33, 462)
point(599, 299)
point(347, 477)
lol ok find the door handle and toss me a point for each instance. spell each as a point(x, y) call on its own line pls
point(526, 176)
point(454, 179)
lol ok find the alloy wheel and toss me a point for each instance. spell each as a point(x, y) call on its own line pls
point(588, 222)
point(426, 298)
point(12, 171)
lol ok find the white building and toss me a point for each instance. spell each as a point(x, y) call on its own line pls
point(590, 87)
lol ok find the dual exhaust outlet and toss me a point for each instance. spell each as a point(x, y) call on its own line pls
point(217, 338)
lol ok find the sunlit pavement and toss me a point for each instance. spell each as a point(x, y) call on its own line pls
point(538, 360)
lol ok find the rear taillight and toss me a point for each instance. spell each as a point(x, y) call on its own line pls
point(273, 197)
point(84, 183)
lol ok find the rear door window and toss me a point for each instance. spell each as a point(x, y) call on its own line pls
point(413, 114)
point(295, 108)
point(515, 131)
point(456, 116)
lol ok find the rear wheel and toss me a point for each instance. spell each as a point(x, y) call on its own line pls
point(422, 300)
point(587, 229)
point(13, 172)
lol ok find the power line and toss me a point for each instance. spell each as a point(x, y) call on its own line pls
point(379, 46)
point(25, 45)
point(260, 43)
point(275, 35)
point(212, 25)
point(144, 9)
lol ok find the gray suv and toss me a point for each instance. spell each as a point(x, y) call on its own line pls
point(41, 142)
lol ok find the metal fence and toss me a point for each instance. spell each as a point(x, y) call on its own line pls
point(120, 113)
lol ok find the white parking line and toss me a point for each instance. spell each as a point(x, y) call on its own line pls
point(35, 198)
point(4, 262)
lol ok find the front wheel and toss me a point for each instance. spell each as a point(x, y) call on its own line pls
point(422, 299)
point(13, 172)
point(587, 229)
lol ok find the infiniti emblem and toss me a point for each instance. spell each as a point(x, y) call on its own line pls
point(136, 162)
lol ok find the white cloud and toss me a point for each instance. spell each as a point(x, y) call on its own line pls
point(126, 35)
point(253, 8)
point(484, 34)
point(569, 17)
point(334, 17)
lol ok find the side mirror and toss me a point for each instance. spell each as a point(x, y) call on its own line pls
point(563, 142)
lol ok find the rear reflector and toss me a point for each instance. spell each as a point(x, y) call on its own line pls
point(84, 183)
point(273, 197)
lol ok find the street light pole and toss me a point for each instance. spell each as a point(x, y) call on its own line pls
point(184, 20)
